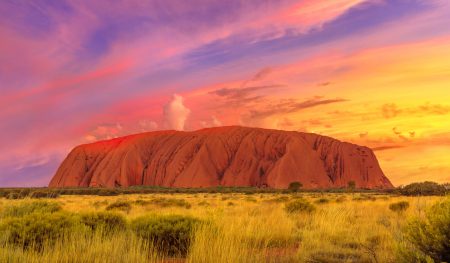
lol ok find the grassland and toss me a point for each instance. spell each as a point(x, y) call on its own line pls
point(231, 227)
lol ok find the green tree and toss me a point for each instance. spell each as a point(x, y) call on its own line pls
point(295, 186)
point(352, 185)
point(423, 188)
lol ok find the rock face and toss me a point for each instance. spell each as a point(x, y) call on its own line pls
point(226, 156)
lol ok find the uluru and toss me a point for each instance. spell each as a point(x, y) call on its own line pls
point(221, 156)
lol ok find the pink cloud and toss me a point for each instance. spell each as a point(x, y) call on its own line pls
point(176, 113)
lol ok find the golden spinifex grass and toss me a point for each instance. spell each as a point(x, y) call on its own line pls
point(255, 228)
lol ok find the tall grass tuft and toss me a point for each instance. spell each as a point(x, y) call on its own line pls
point(106, 222)
point(171, 234)
point(427, 239)
point(299, 206)
point(120, 205)
point(37, 229)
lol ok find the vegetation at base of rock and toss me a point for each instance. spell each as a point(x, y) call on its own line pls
point(171, 235)
point(107, 192)
point(299, 206)
point(399, 207)
point(21, 193)
point(423, 189)
point(29, 193)
point(295, 186)
point(351, 185)
point(43, 194)
point(427, 239)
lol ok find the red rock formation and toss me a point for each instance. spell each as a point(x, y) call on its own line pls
point(227, 156)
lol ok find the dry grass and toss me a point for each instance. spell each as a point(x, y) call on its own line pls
point(256, 228)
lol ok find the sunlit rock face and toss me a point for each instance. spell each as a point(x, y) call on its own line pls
point(222, 156)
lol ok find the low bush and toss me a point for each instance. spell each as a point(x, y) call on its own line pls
point(295, 186)
point(341, 199)
point(13, 195)
point(428, 239)
point(280, 199)
point(37, 229)
point(299, 206)
point(31, 207)
point(251, 199)
point(98, 204)
point(322, 201)
point(120, 205)
point(203, 203)
point(107, 192)
point(424, 189)
point(106, 222)
point(142, 202)
point(170, 234)
point(365, 198)
point(399, 207)
point(171, 202)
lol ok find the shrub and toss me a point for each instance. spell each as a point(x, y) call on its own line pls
point(299, 206)
point(120, 205)
point(104, 221)
point(31, 207)
point(295, 186)
point(142, 202)
point(251, 199)
point(341, 199)
point(351, 185)
point(322, 201)
point(399, 207)
point(98, 204)
point(203, 203)
point(107, 192)
point(428, 239)
point(424, 188)
point(168, 202)
point(35, 230)
point(170, 234)
point(365, 198)
point(12, 195)
point(280, 199)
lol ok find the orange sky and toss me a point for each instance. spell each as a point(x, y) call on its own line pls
point(394, 99)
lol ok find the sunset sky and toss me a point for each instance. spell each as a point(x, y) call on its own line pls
point(375, 73)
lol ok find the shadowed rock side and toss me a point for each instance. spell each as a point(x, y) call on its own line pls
point(227, 156)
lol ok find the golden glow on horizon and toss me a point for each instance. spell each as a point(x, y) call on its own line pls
point(396, 100)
